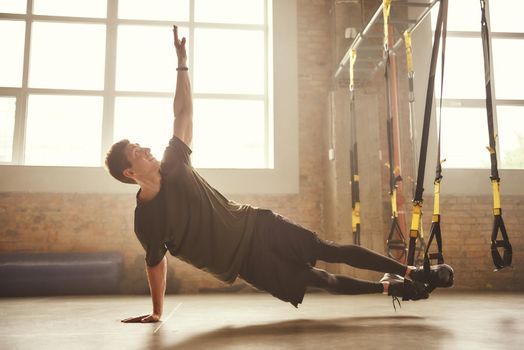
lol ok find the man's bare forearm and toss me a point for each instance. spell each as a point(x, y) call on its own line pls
point(156, 276)
point(183, 102)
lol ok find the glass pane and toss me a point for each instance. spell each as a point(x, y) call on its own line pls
point(12, 38)
point(511, 136)
point(506, 15)
point(144, 120)
point(464, 75)
point(67, 56)
point(73, 8)
point(64, 130)
point(464, 138)
point(229, 134)
point(146, 58)
point(167, 10)
point(507, 55)
point(229, 61)
point(463, 15)
point(7, 127)
point(230, 11)
point(13, 6)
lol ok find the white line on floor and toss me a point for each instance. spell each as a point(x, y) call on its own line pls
point(167, 318)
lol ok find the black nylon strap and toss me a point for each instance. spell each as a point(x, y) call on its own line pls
point(435, 232)
point(498, 223)
point(353, 160)
point(442, 17)
point(489, 97)
point(438, 172)
point(440, 29)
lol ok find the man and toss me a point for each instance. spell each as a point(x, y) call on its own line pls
point(177, 210)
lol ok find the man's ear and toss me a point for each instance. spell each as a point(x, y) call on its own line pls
point(129, 173)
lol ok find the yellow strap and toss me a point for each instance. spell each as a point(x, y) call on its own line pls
point(394, 203)
point(386, 8)
point(352, 60)
point(495, 185)
point(355, 217)
point(415, 220)
point(409, 51)
point(356, 178)
point(436, 203)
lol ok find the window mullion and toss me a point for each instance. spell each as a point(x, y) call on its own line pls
point(109, 79)
point(22, 97)
point(191, 52)
point(267, 147)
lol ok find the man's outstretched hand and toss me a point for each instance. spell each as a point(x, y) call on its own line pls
point(180, 46)
point(142, 319)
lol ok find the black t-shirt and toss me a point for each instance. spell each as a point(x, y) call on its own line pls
point(192, 220)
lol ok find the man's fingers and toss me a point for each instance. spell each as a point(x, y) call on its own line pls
point(175, 31)
point(133, 319)
point(183, 41)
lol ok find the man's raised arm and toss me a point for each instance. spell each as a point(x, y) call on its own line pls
point(183, 102)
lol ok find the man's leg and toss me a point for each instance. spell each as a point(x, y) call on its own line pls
point(362, 258)
point(339, 284)
point(358, 257)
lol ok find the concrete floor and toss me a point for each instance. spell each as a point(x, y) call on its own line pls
point(258, 321)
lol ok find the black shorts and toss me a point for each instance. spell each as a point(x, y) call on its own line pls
point(280, 255)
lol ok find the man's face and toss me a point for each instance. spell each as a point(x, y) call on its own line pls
point(141, 159)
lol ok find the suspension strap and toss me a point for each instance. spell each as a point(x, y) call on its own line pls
point(421, 247)
point(395, 243)
point(353, 154)
point(498, 223)
point(435, 231)
point(419, 191)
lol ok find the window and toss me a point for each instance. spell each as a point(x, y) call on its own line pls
point(78, 75)
point(122, 75)
point(464, 123)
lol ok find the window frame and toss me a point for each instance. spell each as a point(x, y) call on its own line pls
point(281, 102)
point(461, 181)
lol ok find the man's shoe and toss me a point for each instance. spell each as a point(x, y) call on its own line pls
point(407, 290)
point(439, 276)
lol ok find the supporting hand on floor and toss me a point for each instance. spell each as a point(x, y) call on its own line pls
point(142, 319)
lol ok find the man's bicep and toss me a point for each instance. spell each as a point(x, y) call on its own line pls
point(183, 129)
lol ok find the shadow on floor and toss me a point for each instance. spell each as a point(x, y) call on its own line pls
point(355, 332)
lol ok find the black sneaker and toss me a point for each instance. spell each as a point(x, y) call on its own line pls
point(407, 289)
point(439, 276)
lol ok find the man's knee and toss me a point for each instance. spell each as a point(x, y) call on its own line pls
point(322, 278)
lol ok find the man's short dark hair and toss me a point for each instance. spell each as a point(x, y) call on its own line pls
point(116, 162)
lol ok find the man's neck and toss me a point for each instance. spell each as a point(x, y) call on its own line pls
point(149, 187)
